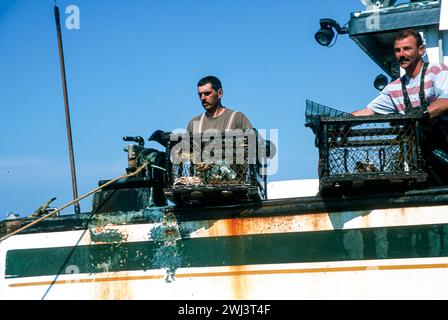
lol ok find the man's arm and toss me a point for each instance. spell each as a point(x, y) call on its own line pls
point(363, 112)
point(382, 104)
point(438, 108)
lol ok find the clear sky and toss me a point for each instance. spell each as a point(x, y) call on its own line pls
point(132, 68)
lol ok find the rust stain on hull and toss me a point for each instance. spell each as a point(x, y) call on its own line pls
point(114, 290)
point(238, 282)
point(247, 226)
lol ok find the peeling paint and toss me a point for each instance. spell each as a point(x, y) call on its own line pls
point(150, 214)
point(434, 242)
point(381, 243)
point(189, 229)
point(414, 249)
point(119, 217)
point(107, 235)
point(155, 214)
point(354, 244)
point(167, 256)
point(339, 219)
point(104, 266)
point(445, 239)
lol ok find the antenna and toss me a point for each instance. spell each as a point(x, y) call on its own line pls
point(67, 111)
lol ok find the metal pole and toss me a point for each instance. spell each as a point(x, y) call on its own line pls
point(67, 112)
point(440, 44)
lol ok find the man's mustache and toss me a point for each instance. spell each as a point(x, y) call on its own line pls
point(403, 59)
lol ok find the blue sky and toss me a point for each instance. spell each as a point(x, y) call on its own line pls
point(132, 68)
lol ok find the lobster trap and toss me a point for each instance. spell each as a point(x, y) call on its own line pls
point(369, 152)
point(214, 169)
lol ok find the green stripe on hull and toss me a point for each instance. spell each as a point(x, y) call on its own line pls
point(357, 244)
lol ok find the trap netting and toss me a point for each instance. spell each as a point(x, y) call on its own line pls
point(357, 149)
point(314, 110)
point(218, 162)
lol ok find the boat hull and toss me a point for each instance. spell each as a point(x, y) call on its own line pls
point(233, 253)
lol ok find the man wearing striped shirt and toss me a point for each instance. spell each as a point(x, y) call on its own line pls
point(216, 116)
point(423, 85)
point(409, 50)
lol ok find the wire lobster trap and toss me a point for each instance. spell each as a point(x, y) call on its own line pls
point(368, 152)
point(218, 168)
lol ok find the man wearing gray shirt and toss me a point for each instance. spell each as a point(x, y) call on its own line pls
point(216, 116)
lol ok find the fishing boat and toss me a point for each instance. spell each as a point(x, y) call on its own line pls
point(295, 243)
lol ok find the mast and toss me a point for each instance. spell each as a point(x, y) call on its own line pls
point(67, 111)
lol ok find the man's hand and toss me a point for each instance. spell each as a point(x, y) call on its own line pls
point(438, 108)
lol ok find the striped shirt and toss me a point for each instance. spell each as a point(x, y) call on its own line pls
point(391, 99)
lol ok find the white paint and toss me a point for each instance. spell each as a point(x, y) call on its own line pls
point(436, 45)
point(430, 39)
point(443, 15)
point(372, 279)
point(292, 188)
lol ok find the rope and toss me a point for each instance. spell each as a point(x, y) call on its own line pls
point(72, 202)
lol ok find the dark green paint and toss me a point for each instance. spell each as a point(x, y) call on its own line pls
point(357, 244)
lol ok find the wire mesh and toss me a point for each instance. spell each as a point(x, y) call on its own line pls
point(230, 161)
point(370, 148)
point(314, 110)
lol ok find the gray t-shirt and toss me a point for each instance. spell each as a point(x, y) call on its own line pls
point(220, 123)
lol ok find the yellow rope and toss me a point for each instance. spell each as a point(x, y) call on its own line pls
point(72, 202)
